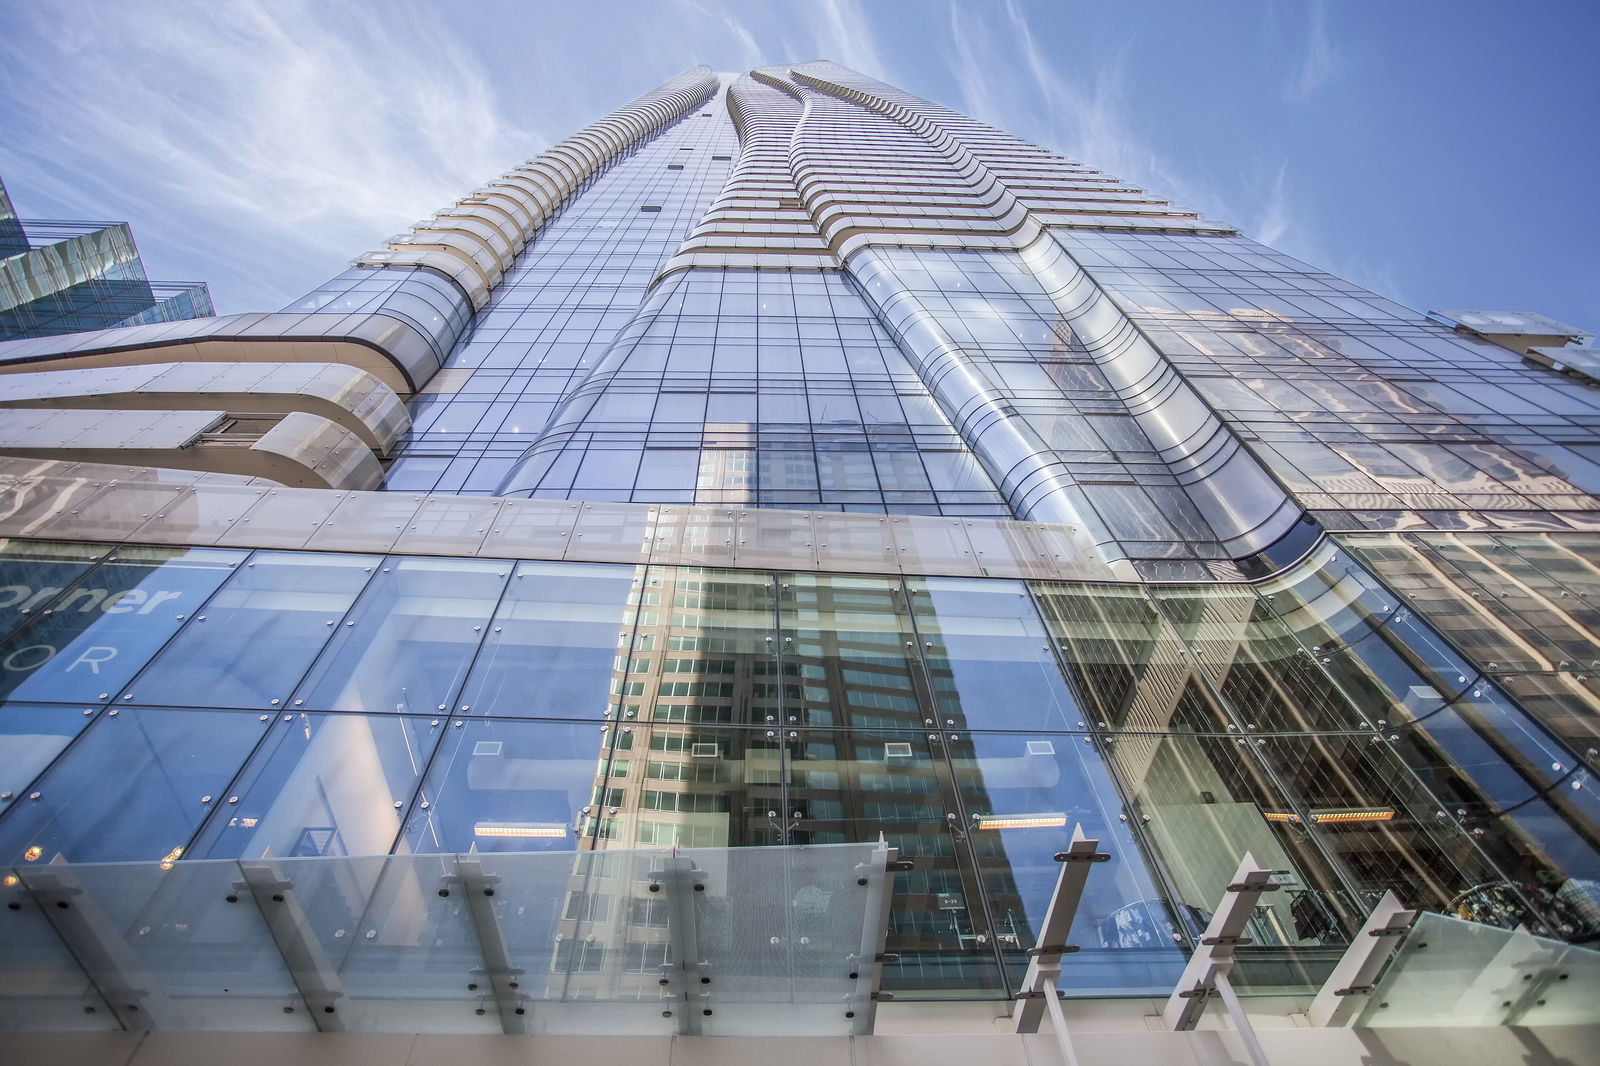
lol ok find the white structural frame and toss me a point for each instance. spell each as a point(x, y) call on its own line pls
point(1340, 999)
point(1041, 983)
point(1207, 972)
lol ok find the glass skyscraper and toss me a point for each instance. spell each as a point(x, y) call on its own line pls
point(63, 277)
point(785, 460)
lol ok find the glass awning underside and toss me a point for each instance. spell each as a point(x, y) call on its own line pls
point(747, 941)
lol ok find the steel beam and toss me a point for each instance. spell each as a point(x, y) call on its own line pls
point(1045, 960)
point(1206, 974)
point(131, 991)
point(505, 979)
point(876, 879)
point(314, 975)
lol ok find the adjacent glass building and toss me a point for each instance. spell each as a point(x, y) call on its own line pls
point(64, 277)
point(788, 460)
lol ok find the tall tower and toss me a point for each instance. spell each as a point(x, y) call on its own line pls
point(787, 460)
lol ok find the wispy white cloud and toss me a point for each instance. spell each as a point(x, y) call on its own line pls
point(1317, 62)
point(1087, 111)
point(748, 49)
point(1273, 219)
point(1089, 114)
point(333, 127)
point(973, 75)
point(266, 142)
point(842, 32)
point(1375, 274)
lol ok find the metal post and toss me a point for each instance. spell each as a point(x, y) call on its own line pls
point(876, 879)
point(1058, 1017)
point(1207, 971)
point(504, 979)
point(1340, 999)
point(130, 990)
point(313, 974)
point(1041, 983)
point(1241, 1020)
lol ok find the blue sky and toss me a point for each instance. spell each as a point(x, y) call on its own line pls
point(1441, 153)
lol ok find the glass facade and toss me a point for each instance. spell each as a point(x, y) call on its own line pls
point(251, 704)
point(1335, 606)
point(552, 316)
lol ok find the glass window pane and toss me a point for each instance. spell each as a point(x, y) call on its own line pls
point(34, 571)
point(1125, 660)
point(553, 645)
point(134, 788)
point(324, 784)
point(693, 786)
point(410, 638)
point(500, 785)
point(1208, 802)
point(703, 650)
point(258, 633)
point(1377, 822)
point(103, 628)
point(850, 787)
point(30, 737)
point(1268, 677)
point(1375, 647)
point(848, 653)
point(1024, 796)
point(990, 666)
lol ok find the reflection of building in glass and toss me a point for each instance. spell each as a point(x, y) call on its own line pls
point(786, 460)
point(66, 277)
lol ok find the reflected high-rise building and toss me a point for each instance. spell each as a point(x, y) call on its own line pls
point(785, 460)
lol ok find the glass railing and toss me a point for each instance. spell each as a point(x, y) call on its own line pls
point(1449, 972)
point(749, 941)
